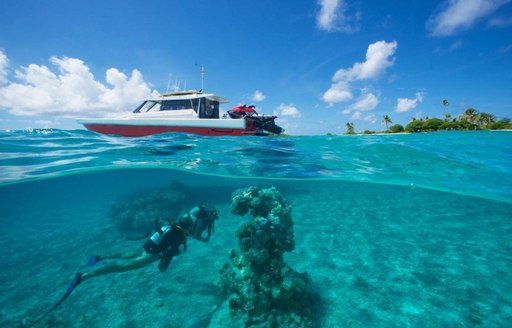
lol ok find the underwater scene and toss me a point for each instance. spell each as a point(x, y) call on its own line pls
point(402, 230)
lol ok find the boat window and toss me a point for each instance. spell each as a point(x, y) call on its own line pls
point(145, 107)
point(176, 104)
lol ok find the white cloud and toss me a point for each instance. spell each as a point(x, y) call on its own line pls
point(290, 127)
point(332, 17)
point(366, 102)
point(358, 116)
point(72, 91)
point(379, 56)
point(4, 63)
point(326, 17)
point(458, 15)
point(406, 104)
point(287, 110)
point(258, 96)
point(338, 92)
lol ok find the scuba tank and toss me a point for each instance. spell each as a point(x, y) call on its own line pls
point(152, 245)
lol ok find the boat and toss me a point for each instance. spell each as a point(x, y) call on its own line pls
point(189, 112)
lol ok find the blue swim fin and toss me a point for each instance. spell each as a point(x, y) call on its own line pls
point(93, 260)
point(77, 279)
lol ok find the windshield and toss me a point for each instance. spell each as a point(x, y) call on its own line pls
point(147, 106)
point(177, 104)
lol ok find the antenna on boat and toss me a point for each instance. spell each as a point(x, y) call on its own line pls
point(176, 85)
point(202, 76)
point(168, 83)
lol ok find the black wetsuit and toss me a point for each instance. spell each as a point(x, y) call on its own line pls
point(204, 220)
point(168, 246)
point(202, 224)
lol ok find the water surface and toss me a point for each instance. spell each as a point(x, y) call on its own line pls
point(395, 230)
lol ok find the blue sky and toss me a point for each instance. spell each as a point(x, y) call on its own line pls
point(317, 64)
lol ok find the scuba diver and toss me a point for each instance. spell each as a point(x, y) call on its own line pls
point(162, 246)
point(203, 216)
point(204, 220)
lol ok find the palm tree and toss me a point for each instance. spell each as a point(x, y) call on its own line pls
point(471, 116)
point(485, 119)
point(470, 113)
point(350, 128)
point(386, 120)
point(446, 116)
point(469, 119)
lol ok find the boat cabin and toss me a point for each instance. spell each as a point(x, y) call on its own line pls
point(203, 105)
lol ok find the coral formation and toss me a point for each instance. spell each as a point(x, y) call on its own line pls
point(261, 290)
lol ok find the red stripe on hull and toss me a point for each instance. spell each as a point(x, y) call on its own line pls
point(141, 131)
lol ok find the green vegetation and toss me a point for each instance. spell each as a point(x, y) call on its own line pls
point(470, 120)
point(396, 128)
point(350, 128)
point(386, 120)
point(368, 132)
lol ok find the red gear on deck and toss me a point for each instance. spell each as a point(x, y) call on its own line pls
point(244, 109)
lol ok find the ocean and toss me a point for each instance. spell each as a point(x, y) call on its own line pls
point(399, 230)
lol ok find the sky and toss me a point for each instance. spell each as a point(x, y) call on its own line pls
point(316, 64)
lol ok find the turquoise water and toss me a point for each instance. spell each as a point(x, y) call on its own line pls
point(408, 230)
